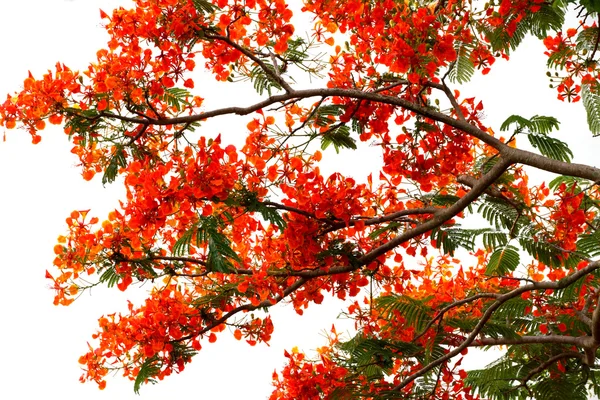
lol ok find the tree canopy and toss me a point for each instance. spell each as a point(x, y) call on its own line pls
point(445, 247)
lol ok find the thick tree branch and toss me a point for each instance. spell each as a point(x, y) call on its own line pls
point(541, 339)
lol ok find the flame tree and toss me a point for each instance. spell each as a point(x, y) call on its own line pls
point(223, 231)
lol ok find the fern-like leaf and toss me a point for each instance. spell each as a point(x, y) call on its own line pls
point(463, 68)
point(205, 6)
point(503, 260)
point(415, 312)
point(591, 103)
point(550, 147)
point(150, 368)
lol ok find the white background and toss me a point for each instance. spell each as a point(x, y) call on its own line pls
point(40, 186)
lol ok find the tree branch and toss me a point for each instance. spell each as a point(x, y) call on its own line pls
point(541, 339)
point(513, 154)
point(586, 342)
point(440, 314)
point(545, 365)
point(444, 215)
point(271, 73)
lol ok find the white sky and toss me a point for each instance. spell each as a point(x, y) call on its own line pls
point(40, 187)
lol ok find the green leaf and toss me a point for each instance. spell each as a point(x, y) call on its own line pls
point(559, 59)
point(589, 245)
point(514, 119)
point(245, 198)
point(117, 161)
point(591, 103)
point(322, 116)
point(393, 226)
point(175, 97)
point(415, 312)
point(220, 253)
point(586, 40)
point(499, 213)
point(536, 124)
point(592, 6)
point(440, 199)
point(542, 251)
point(262, 81)
point(463, 68)
point(339, 137)
point(272, 215)
point(539, 24)
point(492, 240)
point(550, 147)
point(205, 6)
point(450, 239)
point(150, 368)
point(545, 20)
point(110, 276)
point(207, 232)
point(568, 181)
point(182, 245)
point(503, 261)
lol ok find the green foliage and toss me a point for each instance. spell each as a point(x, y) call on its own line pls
point(336, 134)
point(205, 6)
point(339, 137)
point(450, 239)
point(504, 379)
point(441, 200)
point(498, 213)
point(263, 81)
point(569, 181)
point(495, 380)
point(592, 6)
point(503, 261)
point(589, 245)
point(150, 368)
point(269, 213)
point(326, 114)
point(176, 97)
point(463, 68)
point(220, 294)
point(84, 124)
point(560, 388)
point(415, 312)
point(536, 124)
point(591, 103)
point(539, 24)
point(144, 268)
point(537, 128)
point(110, 276)
point(550, 147)
point(586, 40)
point(393, 226)
point(373, 357)
point(542, 251)
point(118, 160)
point(297, 52)
point(511, 309)
point(207, 232)
point(546, 19)
point(341, 248)
point(494, 239)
